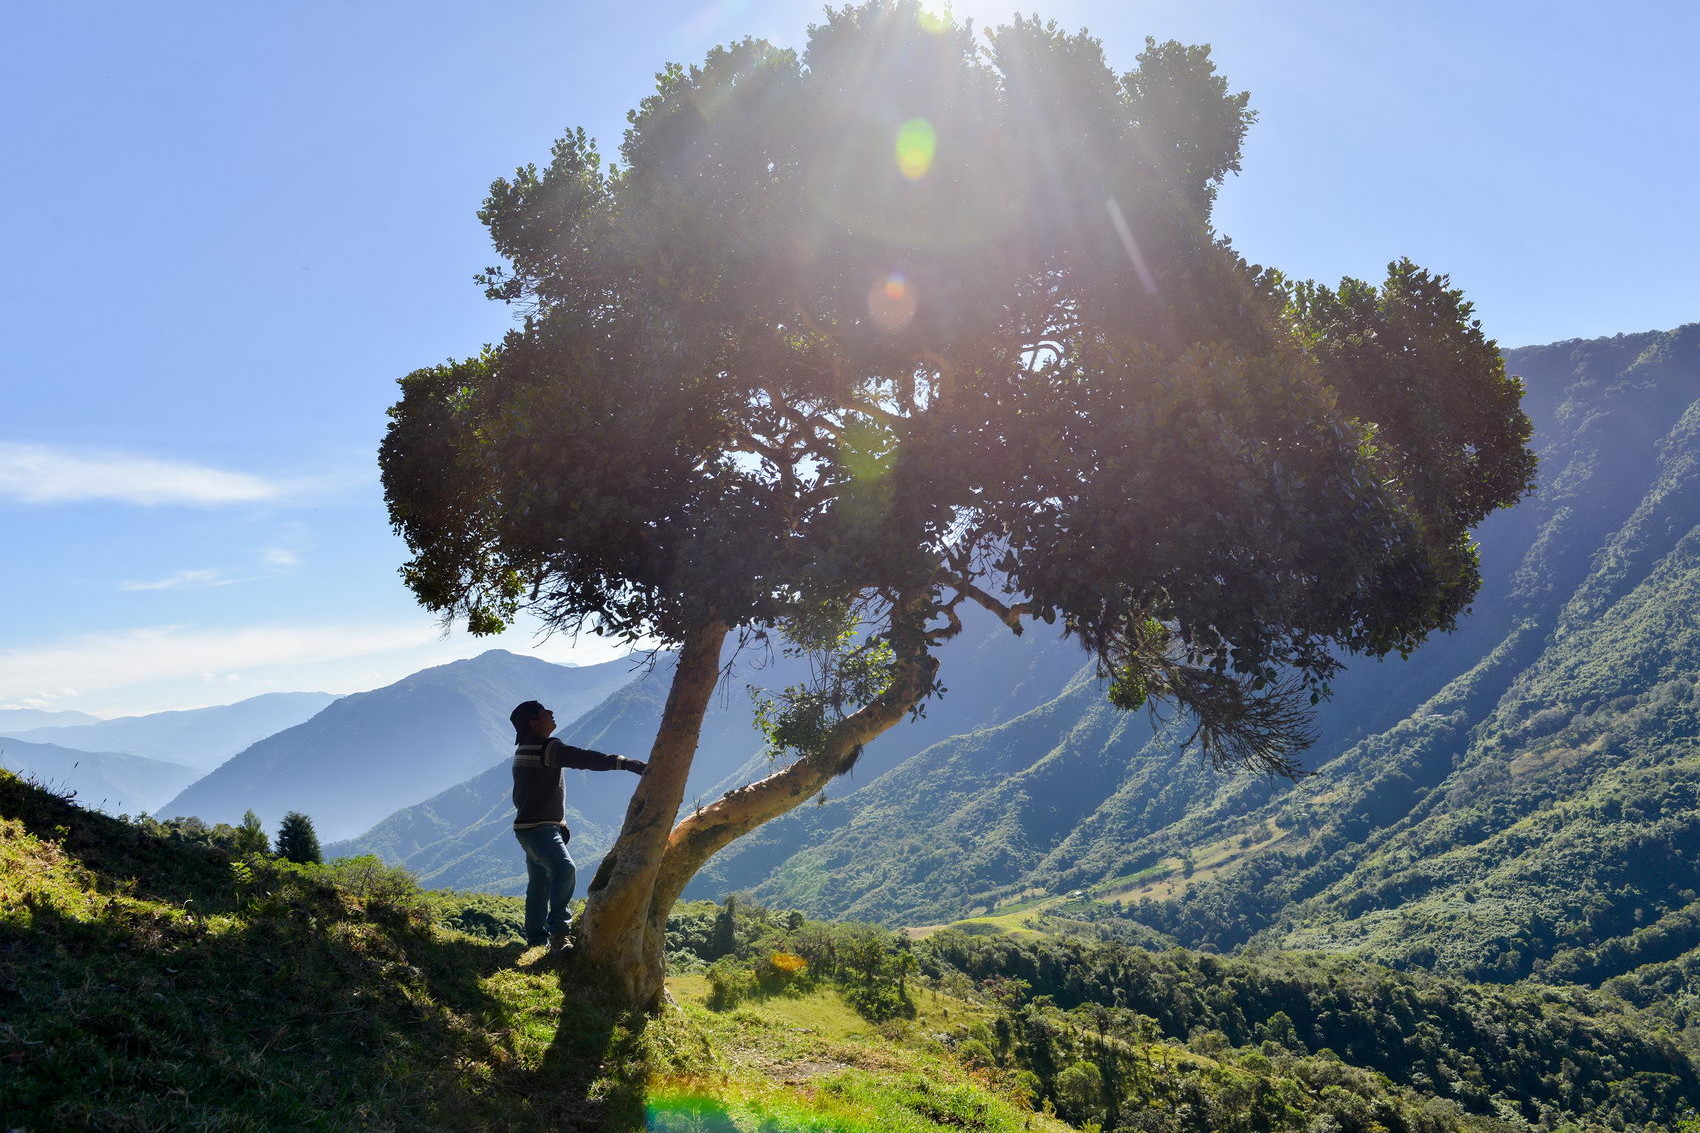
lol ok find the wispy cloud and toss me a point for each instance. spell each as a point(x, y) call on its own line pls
point(48, 474)
point(274, 560)
point(46, 701)
point(182, 580)
point(99, 662)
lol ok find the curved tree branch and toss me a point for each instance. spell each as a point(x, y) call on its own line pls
point(1007, 613)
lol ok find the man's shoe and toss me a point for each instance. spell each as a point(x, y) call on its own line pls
point(561, 946)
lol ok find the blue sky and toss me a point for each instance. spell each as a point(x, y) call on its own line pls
point(230, 227)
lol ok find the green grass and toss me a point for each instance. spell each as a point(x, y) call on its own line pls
point(809, 1062)
point(144, 985)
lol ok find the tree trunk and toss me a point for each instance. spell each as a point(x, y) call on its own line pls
point(625, 917)
point(704, 832)
point(620, 933)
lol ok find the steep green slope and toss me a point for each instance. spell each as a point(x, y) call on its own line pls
point(1541, 816)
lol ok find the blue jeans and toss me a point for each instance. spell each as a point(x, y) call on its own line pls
point(549, 878)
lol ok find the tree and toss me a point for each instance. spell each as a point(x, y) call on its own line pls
point(250, 836)
point(912, 319)
point(723, 939)
point(296, 839)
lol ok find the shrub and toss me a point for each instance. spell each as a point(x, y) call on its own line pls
point(730, 983)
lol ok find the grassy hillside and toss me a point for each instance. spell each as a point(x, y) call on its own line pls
point(151, 983)
point(148, 984)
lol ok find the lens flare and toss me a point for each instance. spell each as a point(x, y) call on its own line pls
point(917, 141)
point(691, 1108)
point(933, 20)
point(891, 302)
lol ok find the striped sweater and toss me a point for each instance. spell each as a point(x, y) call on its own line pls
point(540, 797)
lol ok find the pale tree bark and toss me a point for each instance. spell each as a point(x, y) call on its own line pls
point(618, 931)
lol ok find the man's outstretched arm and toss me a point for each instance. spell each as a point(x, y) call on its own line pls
point(583, 759)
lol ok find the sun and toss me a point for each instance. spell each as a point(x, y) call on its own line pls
point(984, 13)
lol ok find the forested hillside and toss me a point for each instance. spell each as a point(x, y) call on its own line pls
point(1540, 811)
point(155, 977)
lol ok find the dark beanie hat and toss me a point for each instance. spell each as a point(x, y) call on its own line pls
point(523, 714)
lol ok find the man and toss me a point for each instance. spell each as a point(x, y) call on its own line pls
point(540, 821)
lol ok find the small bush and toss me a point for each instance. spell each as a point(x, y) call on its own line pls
point(339, 890)
point(484, 915)
point(730, 983)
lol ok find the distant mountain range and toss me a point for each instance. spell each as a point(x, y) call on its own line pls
point(132, 764)
point(462, 838)
point(22, 719)
point(200, 738)
point(371, 753)
point(99, 780)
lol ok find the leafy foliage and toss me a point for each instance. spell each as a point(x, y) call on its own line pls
point(1536, 1053)
point(250, 836)
point(296, 839)
point(846, 670)
point(767, 362)
point(757, 953)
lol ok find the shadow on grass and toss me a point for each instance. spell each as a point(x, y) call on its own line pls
point(593, 1076)
point(119, 854)
point(141, 1018)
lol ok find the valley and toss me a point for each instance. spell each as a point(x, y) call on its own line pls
point(1512, 812)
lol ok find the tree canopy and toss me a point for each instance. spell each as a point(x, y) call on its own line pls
point(917, 317)
point(297, 841)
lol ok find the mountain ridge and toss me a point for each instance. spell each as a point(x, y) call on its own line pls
point(196, 737)
point(368, 754)
point(110, 781)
